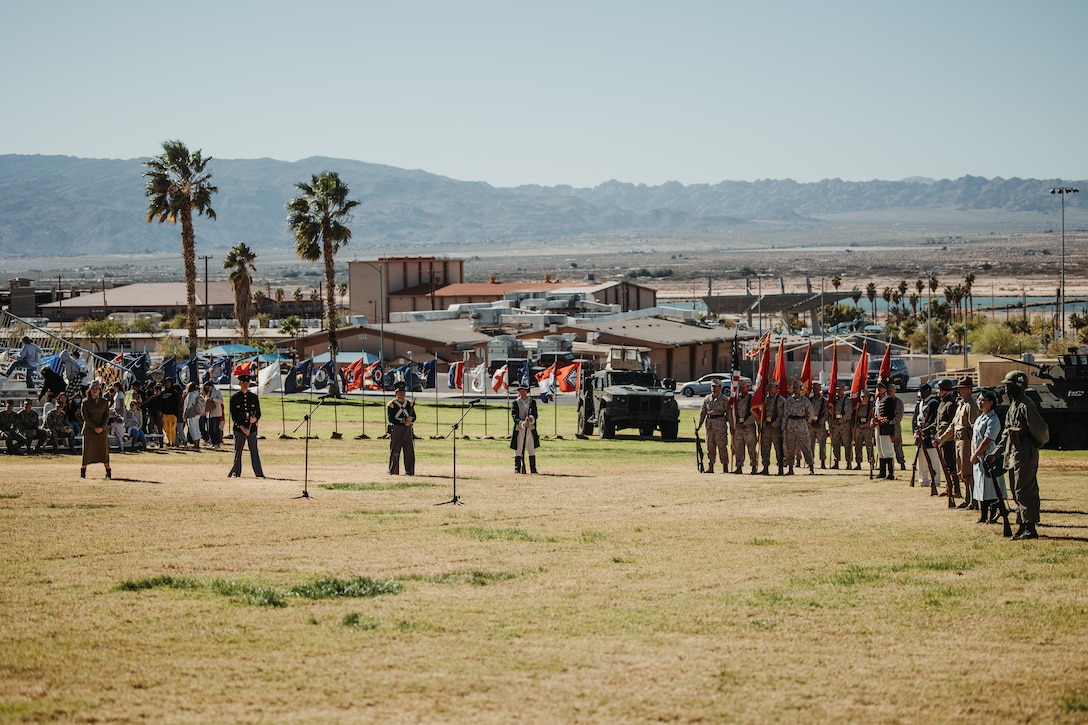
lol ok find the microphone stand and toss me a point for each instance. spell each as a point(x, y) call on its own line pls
point(456, 500)
point(306, 467)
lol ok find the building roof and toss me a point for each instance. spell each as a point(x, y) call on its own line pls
point(657, 331)
point(144, 295)
point(771, 304)
point(450, 333)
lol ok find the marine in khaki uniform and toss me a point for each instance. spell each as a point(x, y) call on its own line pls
point(863, 432)
point(819, 424)
point(797, 436)
point(744, 432)
point(963, 428)
point(770, 435)
point(842, 427)
point(714, 412)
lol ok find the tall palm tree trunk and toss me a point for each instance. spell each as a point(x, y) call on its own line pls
point(188, 255)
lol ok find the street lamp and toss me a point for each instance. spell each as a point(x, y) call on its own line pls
point(1062, 191)
point(205, 257)
point(381, 307)
point(929, 326)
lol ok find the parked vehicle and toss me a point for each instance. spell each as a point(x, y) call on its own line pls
point(900, 373)
point(702, 385)
point(615, 399)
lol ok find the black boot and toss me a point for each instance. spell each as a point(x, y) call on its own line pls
point(984, 513)
point(109, 473)
point(519, 464)
point(1028, 532)
point(83, 472)
point(532, 464)
point(995, 512)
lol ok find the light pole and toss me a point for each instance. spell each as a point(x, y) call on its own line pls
point(1062, 191)
point(381, 319)
point(929, 326)
point(205, 257)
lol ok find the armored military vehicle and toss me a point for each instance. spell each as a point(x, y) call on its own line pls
point(1063, 401)
point(613, 399)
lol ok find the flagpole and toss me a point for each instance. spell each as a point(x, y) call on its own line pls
point(483, 384)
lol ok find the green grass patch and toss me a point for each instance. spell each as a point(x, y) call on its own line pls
point(474, 577)
point(951, 563)
point(851, 576)
point(395, 486)
point(480, 533)
point(1075, 702)
point(159, 582)
point(82, 505)
point(10, 495)
point(249, 594)
point(762, 542)
point(333, 588)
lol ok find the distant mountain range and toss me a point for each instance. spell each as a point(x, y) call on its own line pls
point(61, 205)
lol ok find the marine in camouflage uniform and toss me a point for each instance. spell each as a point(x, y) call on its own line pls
point(8, 431)
point(797, 436)
point(774, 407)
point(744, 432)
point(842, 427)
point(819, 425)
point(863, 432)
point(714, 412)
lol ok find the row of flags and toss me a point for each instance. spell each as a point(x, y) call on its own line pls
point(857, 383)
point(551, 380)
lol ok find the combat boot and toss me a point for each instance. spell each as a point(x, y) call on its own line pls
point(739, 470)
point(765, 472)
point(812, 470)
point(984, 517)
point(754, 472)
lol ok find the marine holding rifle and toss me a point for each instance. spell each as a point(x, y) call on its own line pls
point(1025, 433)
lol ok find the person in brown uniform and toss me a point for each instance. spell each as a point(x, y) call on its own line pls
point(771, 428)
point(713, 412)
point(819, 424)
point(96, 423)
point(946, 445)
point(744, 432)
point(842, 427)
point(797, 436)
point(863, 432)
point(1025, 433)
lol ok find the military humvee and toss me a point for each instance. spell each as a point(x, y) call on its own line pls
point(622, 396)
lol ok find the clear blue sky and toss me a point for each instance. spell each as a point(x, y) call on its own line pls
point(560, 92)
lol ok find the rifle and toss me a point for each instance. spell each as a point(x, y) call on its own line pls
point(932, 475)
point(994, 470)
point(698, 450)
point(914, 463)
point(947, 476)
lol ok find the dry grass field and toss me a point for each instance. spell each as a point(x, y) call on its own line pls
point(617, 586)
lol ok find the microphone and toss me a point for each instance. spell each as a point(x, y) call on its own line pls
point(474, 402)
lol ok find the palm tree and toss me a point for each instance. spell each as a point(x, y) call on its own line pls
point(278, 296)
point(836, 282)
point(317, 218)
point(342, 290)
point(258, 300)
point(178, 184)
point(855, 295)
point(239, 261)
point(870, 294)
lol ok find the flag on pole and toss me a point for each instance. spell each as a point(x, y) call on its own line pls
point(477, 377)
point(353, 375)
point(833, 385)
point(268, 379)
point(523, 374)
point(372, 376)
point(456, 377)
point(426, 373)
point(763, 374)
point(885, 365)
point(568, 377)
point(546, 380)
point(298, 377)
point(806, 372)
point(780, 369)
point(245, 368)
point(499, 381)
point(322, 376)
point(861, 374)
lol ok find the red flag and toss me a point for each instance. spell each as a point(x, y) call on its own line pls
point(353, 376)
point(762, 376)
point(833, 386)
point(372, 376)
point(806, 372)
point(861, 374)
point(567, 377)
point(245, 368)
point(499, 381)
point(886, 365)
point(780, 369)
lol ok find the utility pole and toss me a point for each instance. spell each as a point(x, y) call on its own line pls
point(205, 257)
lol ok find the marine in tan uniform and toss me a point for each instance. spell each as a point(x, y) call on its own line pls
point(770, 433)
point(714, 412)
point(863, 432)
point(744, 432)
point(797, 436)
point(819, 424)
point(842, 427)
point(963, 427)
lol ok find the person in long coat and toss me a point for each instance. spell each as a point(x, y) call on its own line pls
point(96, 429)
point(524, 439)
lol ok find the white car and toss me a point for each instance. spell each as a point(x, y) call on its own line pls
point(702, 385)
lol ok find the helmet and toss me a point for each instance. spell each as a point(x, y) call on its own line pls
point(1016, 378)
point(946, 385)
